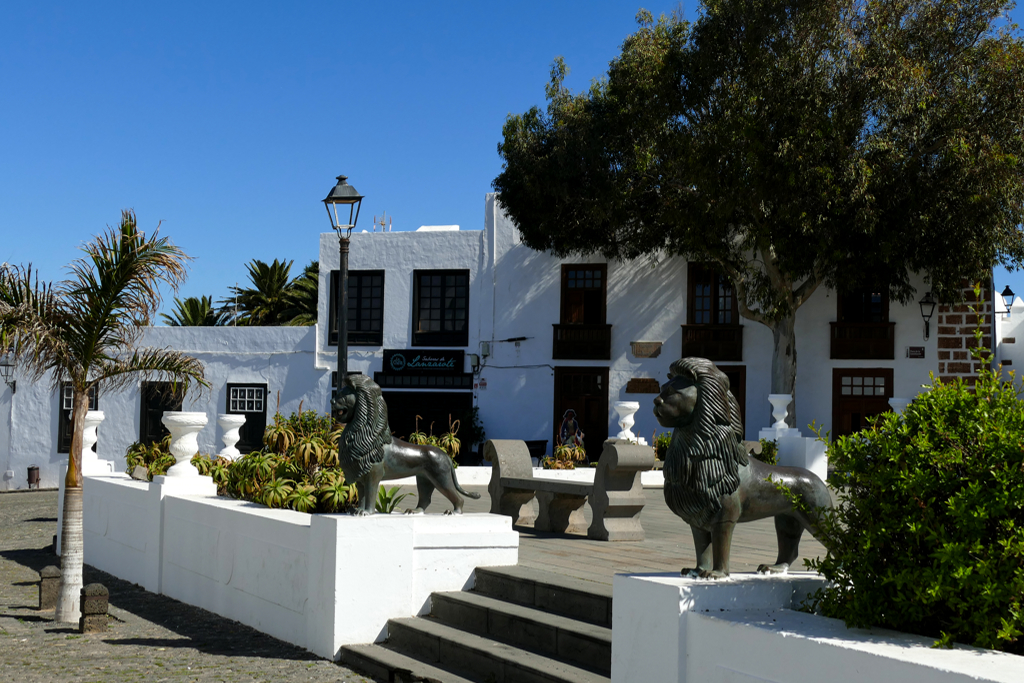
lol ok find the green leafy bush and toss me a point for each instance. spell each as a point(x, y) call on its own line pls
point(661, 443)
point(928, 536)
point(769, 452)
point(155, 458)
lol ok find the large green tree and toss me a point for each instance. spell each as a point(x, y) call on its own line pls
point(85, 330)
point(792, 143)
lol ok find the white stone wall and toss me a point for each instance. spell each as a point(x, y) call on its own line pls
point(281, 357)
point(516, 291)
point(318, 581)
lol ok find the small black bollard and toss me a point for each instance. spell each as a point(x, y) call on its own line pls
point(49, 587)
point(95, 598)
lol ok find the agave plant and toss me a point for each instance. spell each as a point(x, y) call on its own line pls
point(276, 492)
point(388, 499)
point(449, 442)
point(302, 498)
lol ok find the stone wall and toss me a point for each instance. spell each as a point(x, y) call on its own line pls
point(956, 326)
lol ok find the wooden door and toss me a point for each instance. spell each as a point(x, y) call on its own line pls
point(858, 395)
point(585, 391)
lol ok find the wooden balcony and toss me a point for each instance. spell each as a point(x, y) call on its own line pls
point(714, 342)
point(863, 341)
point(582, 342)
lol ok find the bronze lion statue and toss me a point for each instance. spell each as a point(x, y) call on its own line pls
point(712, 484)
point(368, 454)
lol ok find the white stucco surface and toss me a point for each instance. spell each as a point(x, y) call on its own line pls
point(280, 357)
point(744, 629)
point(318, 581)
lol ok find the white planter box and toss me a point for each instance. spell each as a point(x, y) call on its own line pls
point(318, 581)
point(745, 629)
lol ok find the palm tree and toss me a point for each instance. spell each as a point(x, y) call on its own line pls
point(84, 331)
point(303, 295)
point(267, 299)
point(195, 312)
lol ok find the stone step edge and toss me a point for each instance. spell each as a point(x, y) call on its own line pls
point(580, 643)
point(381, 662)
point(536, 664)
point(547, 582)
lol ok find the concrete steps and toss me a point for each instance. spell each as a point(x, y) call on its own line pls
point(517, 625)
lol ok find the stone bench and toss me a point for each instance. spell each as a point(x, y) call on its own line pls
point(616, 496)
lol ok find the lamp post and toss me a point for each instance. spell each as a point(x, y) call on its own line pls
point(341, 196)
point(1007, 296)
point(7, 369)
point(927, 304)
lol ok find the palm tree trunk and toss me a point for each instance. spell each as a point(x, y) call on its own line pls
point(72, 546)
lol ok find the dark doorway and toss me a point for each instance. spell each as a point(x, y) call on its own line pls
point(857, 397)
point(157, 397)
point(737, 375)
point(584, 390)
point(432, 407)
point(249, 400)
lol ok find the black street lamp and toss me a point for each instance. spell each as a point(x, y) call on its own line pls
point(7, 369)
point(341, 196)
point(927, 304)
point(1007, 296)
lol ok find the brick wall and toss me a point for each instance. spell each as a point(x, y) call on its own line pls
point(955, 334)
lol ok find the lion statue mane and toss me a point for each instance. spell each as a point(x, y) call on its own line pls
point(711, 482)
point(368, 454)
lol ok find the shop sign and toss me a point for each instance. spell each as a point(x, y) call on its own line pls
point(406, 361)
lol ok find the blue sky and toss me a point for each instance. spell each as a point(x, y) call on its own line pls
point(228, 121)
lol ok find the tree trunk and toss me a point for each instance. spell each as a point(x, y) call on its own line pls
point(72, 548)
point(784, 361)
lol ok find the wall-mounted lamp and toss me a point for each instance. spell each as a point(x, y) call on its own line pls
point(7, 369)
point(1007, 298)
point(927, 304)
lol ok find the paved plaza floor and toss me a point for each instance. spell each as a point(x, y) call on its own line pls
point(155, 638)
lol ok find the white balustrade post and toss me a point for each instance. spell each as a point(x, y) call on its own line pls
point(626, 409)
point(898, 405)
point(184, 428)
point(780, 404)
point(91, 464)
point(230, 423)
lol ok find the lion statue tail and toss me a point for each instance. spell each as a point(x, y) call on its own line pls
point(468, 494)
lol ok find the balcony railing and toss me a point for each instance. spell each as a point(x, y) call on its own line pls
point(714, 342)
point(582, 342)
point(868, 341)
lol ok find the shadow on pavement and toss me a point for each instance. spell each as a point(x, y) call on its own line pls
point(199, 629)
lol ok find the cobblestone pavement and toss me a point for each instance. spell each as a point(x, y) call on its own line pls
point(150, 637)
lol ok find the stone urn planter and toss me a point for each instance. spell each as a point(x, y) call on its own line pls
point(184, 429)
point(626, 409)
point(230, 423)
point(780, 404)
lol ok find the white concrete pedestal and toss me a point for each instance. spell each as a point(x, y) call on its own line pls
point(669, 629)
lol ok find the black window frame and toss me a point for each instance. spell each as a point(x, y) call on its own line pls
point(442, 337)
point(719, 281)
point(173, 398)
point(591, 310)
point(64, 408)
point(357, 304)
point(251, 432)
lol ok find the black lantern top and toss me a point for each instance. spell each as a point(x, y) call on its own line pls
point(343, 195)
point(927, 304)
point(7, 365)
point(1007, 297)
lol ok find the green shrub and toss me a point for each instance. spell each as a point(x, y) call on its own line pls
point(661, 443)
point(156, 458)
point(928, 536)
point(769, 452)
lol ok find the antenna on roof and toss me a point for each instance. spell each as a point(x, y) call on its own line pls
point(384, 223)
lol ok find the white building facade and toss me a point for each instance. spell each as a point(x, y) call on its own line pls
point(539, 335)
point(449, 320)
